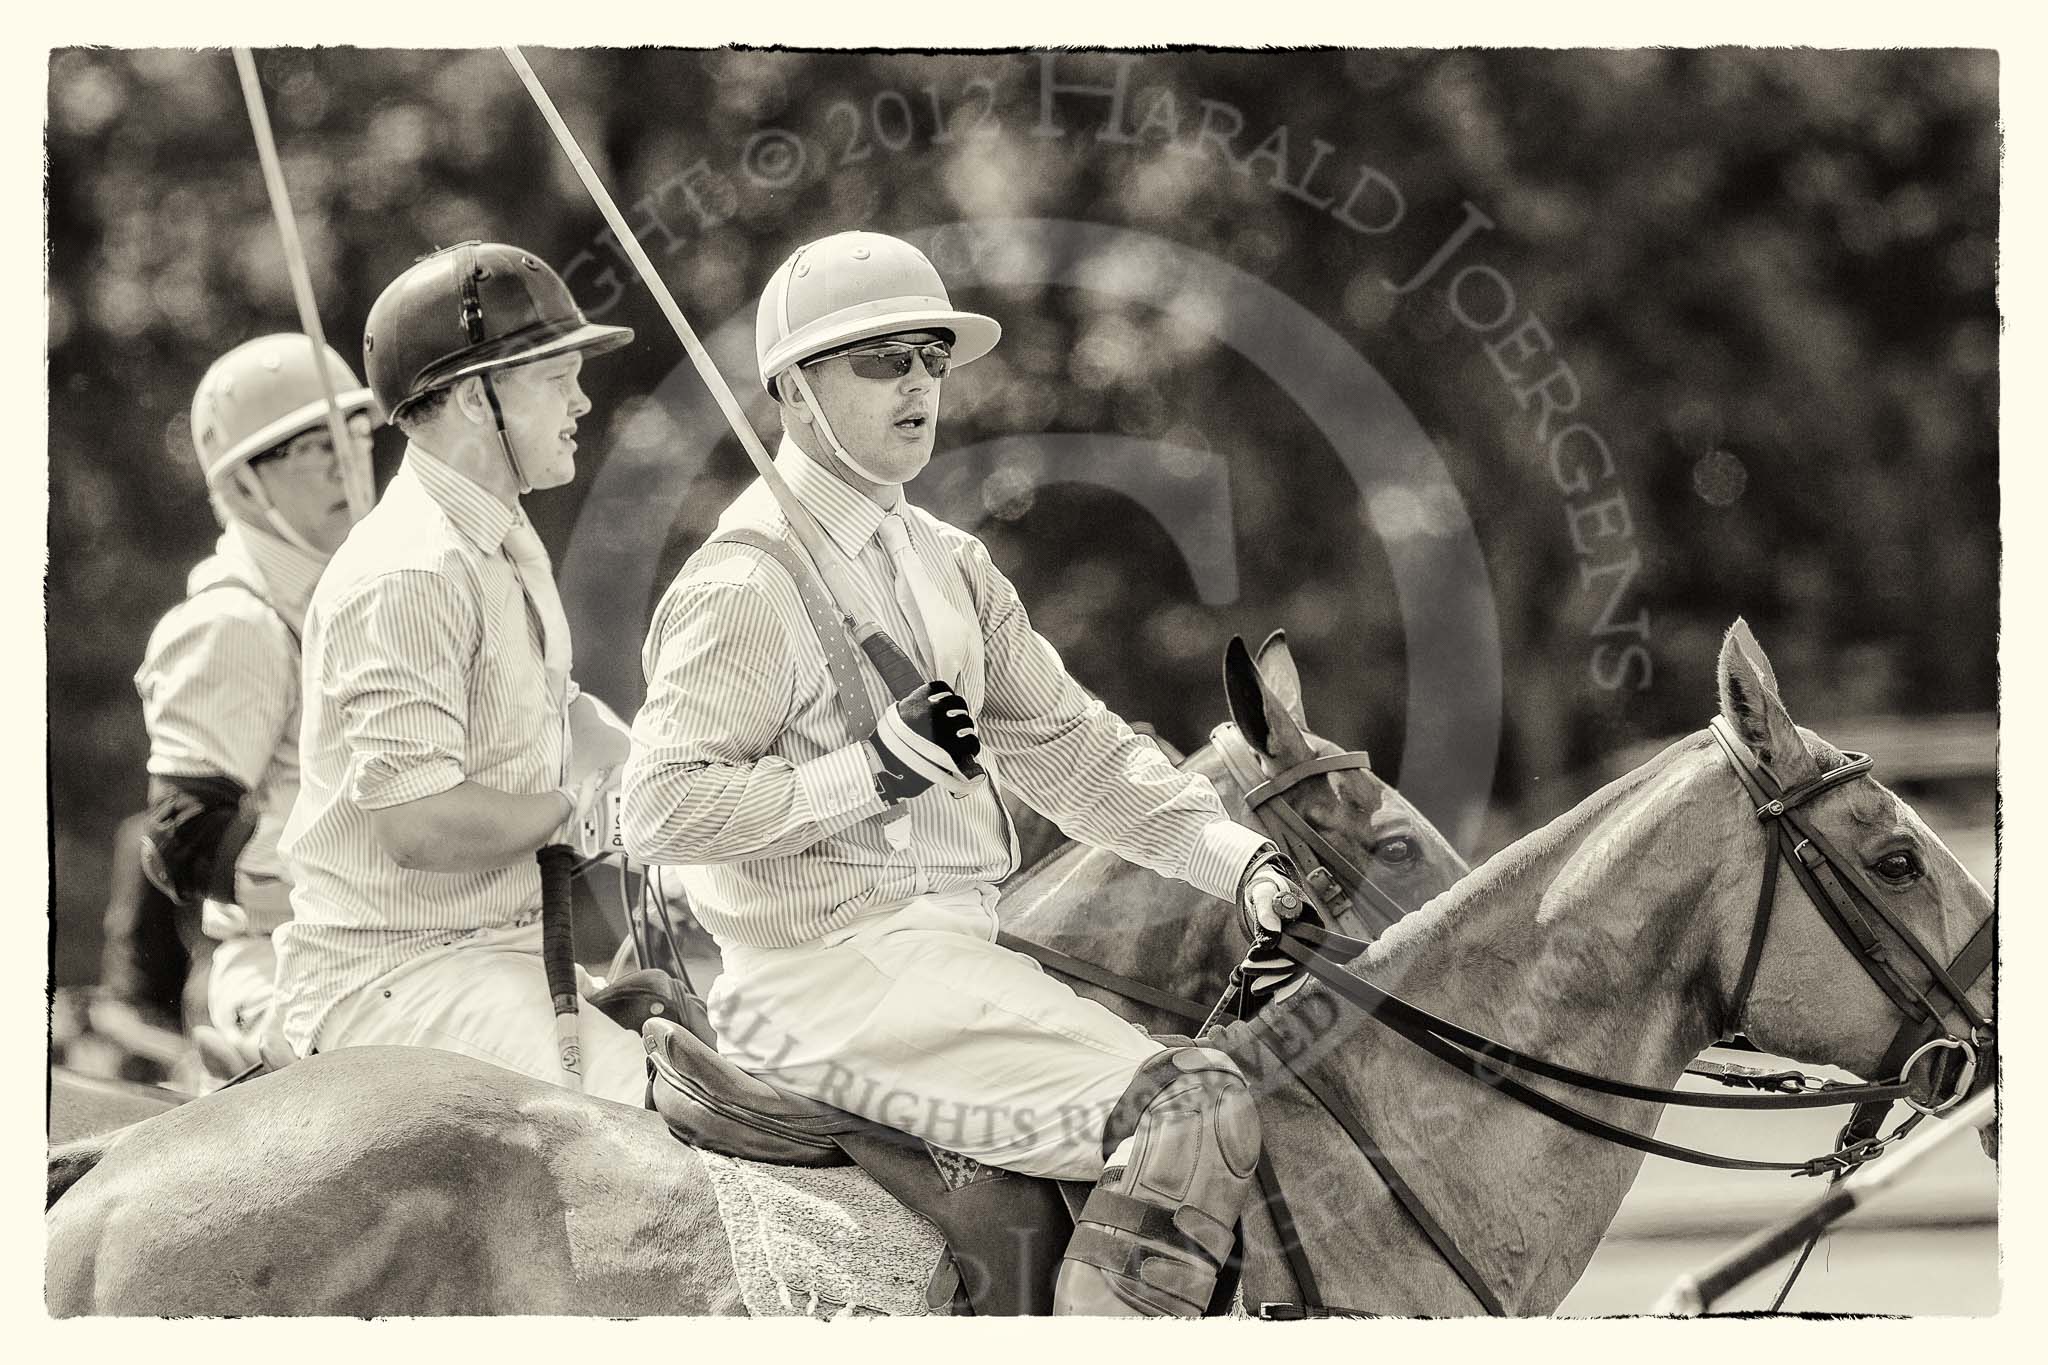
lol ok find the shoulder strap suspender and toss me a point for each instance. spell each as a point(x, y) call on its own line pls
point(252, 590)
point(842, 658)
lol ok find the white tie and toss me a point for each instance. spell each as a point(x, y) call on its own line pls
point(530, 558)
point(942, 637)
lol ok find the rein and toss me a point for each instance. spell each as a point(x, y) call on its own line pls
point(1319, 953)
point(1832, 884)
point(1330, 893)
point(1829, 880)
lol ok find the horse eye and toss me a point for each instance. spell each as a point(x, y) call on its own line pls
point(1399, 849)
point(1899, 868)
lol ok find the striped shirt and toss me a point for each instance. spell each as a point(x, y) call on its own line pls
point(220, 697)
point(423, 670)
point(742, 766)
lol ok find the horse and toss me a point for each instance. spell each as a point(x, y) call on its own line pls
point(397, 1151)
point(1623, 938)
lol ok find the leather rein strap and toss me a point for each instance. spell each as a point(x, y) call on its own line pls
point(1330, 892)
point(1489, 1062)
point(1082, 970)
point(1262, 797)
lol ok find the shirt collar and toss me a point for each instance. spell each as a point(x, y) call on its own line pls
point(285, 573)
point(848, 515)
point(479, 514)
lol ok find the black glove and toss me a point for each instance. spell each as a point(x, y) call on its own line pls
point(928, 737)
point(1269, 974)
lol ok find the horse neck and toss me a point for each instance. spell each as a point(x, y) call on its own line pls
point(1579, 944)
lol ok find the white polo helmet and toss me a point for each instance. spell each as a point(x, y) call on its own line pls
point(261, 394)
point(851, 286)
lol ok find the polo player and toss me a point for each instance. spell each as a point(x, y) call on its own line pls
point(444, 739)
point(848, 869)
point(220, 679)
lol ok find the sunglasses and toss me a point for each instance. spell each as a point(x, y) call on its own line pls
point(891, 360)
point(310, 446)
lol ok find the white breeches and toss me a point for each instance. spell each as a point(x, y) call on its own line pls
point(486, 996)
point(914, 1017)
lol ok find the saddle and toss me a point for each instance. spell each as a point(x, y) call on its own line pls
point(634, 997)
point(1005, 1233)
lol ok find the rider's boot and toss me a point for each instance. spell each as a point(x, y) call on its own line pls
point(1157, 1229)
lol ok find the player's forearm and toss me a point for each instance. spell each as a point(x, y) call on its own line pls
point(468, 828)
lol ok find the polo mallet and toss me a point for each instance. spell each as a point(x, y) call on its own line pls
point(355, 474)
point(899, 674)
point(558, 953)
point(1693, 1294)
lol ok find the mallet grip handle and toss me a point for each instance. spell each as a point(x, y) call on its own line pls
point(558, 953)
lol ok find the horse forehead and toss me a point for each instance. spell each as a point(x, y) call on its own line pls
point(1362, 787)
point(1870, 806)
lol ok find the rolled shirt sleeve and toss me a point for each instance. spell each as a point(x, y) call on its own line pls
point(219, 690)
point(398, 654)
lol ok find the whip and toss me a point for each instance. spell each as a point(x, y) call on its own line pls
point(355, 474)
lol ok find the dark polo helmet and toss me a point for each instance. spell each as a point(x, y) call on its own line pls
point(469, 309)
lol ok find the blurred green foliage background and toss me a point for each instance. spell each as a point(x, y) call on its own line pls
point(1770, 272)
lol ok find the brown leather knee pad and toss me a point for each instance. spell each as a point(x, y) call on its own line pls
point(1156, 1231)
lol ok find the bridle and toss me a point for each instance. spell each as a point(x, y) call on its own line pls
point(1844, 898)
point(1335, 884)
point(1834, 885)
point(1842, 893)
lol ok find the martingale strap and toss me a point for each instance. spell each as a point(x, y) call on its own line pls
point(1410, 1202)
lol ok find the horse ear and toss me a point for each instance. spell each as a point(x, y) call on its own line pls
point(1259, 713)
point(1750, 702)
point(1275, 663)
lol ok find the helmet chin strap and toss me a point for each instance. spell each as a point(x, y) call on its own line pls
point(803, 387)
point(519, 478)
point(252, 487)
